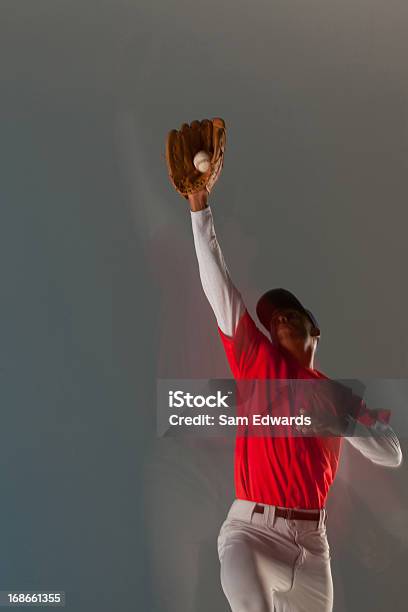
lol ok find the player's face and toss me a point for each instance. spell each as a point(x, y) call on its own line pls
point(289, 327)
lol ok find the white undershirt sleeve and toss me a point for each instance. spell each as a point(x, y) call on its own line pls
point(224, 297)
point(378, 443)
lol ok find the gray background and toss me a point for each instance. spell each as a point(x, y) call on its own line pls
point(100, 293)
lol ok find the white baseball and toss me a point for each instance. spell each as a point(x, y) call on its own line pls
point(202, 161)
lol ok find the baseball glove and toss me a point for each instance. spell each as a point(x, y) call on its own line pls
point(181, 147)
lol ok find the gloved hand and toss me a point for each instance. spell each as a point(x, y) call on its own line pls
point(181, 147)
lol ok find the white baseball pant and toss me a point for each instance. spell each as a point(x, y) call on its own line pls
point(272, 564)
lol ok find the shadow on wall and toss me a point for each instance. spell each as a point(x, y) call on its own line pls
point(188, 489)
point(368, 535)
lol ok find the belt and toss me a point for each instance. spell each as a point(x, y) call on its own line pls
point(291, 513)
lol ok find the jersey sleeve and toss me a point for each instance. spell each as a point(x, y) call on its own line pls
point(243, 347)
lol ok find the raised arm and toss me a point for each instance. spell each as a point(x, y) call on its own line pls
point(223, 296)
point(195, 157)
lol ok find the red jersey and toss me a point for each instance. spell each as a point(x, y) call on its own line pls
point(293, 472)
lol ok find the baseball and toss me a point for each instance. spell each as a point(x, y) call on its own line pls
point(202, 161)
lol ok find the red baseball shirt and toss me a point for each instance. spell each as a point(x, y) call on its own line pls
point(293, 472)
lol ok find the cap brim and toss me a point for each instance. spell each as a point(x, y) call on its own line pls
point(279, 298)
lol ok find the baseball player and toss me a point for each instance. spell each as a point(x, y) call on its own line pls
point(272, 547)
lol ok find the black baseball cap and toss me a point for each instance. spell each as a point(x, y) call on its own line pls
point(279, 298)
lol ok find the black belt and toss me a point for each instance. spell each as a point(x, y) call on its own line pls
point(291, 513)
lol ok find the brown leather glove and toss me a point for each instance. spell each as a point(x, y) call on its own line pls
point(181, 147)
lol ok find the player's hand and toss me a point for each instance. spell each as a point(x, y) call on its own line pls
point(198, 200)
point(182, 146)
